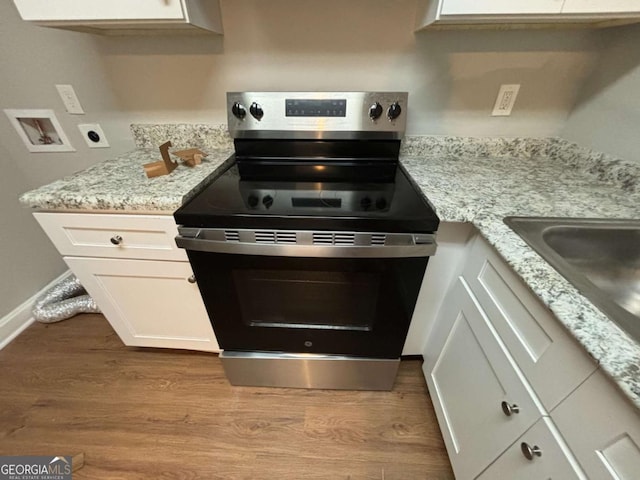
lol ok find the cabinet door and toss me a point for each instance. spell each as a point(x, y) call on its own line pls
point(602, 429)
point(62, 10)
point(148, 303)
point(469, 375)
point(499, 7)
point(533, 335)
point(601, 6)
point(551, 458)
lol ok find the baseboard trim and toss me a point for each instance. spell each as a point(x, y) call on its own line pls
point(14, 323)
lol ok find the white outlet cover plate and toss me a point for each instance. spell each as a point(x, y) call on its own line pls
point(505, 100)
point(85, 128)
point(70, 99)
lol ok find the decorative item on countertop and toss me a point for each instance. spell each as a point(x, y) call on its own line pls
point(161, 167)
point(64, 300)
point(191, 156)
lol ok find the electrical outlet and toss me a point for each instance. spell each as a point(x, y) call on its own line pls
point(70, 99)
point(505, 100)
point(93, 135)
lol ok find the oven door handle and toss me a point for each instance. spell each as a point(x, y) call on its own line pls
point(410, 245)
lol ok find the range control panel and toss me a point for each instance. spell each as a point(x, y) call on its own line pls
point(348, 115)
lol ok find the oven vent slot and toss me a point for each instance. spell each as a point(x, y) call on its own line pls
point(231, 235)
point(344, 239)
point(330, 238)
point(378, 238)
point(286, 237)
point(280, 237)
point(322, 238)
point(265, 237)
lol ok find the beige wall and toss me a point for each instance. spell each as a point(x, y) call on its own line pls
point(607, 115)
point(452, 78)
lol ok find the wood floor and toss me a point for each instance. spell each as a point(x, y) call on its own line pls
point(73, 387)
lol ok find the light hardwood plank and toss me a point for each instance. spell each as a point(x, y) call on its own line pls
point(73, 387)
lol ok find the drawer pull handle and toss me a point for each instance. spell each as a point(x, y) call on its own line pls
point(191, 279)
point(509, 410)
point(116, 239)
point(530, 452)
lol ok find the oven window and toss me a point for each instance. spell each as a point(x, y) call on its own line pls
point(307, 299)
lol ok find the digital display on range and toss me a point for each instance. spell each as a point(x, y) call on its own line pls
point(316, 202)
point(316, 108)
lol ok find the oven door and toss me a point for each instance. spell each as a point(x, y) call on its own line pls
point(355, 301)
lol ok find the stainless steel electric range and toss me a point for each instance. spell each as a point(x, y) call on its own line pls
point(310, 248)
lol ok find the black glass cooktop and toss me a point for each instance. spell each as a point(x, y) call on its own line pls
point(231, 201)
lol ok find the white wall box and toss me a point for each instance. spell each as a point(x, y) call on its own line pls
point(141, 281)
point(522, 13)
point(124, 16)
point(39, 130)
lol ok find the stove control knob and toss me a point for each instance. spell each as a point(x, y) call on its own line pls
point(238, 111)
point(256, 111)
point(365, 203)
point(375, 111)
point(252, 200)
point(381, 203)
point(394, 111)
point(267, 201)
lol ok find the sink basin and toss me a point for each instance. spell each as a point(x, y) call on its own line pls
point(601, 258)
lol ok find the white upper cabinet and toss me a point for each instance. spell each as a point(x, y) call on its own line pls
point(521, 12)
point(499, 7)
point(124, 16)
point(601, 6)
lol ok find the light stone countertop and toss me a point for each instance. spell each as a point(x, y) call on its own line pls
point(120, 185)
point(467, 180)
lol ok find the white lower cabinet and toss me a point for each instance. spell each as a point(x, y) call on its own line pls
point(481, 403)
point(148, 303)
point(515, 396)
point(139, 278)
point(539, 454)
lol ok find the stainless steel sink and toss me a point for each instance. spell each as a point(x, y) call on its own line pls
point(601, 258)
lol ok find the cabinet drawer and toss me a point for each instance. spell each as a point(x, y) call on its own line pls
point(552, 459)
point(112, 236)
point(602, 428)
point(534, 337)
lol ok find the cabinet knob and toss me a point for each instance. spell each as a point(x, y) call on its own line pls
point(508, 409)
point(191, 279)
point(116, 239)
point(530, 452)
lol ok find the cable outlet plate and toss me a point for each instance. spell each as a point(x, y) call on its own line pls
point(505, 100)
point(93, 135)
